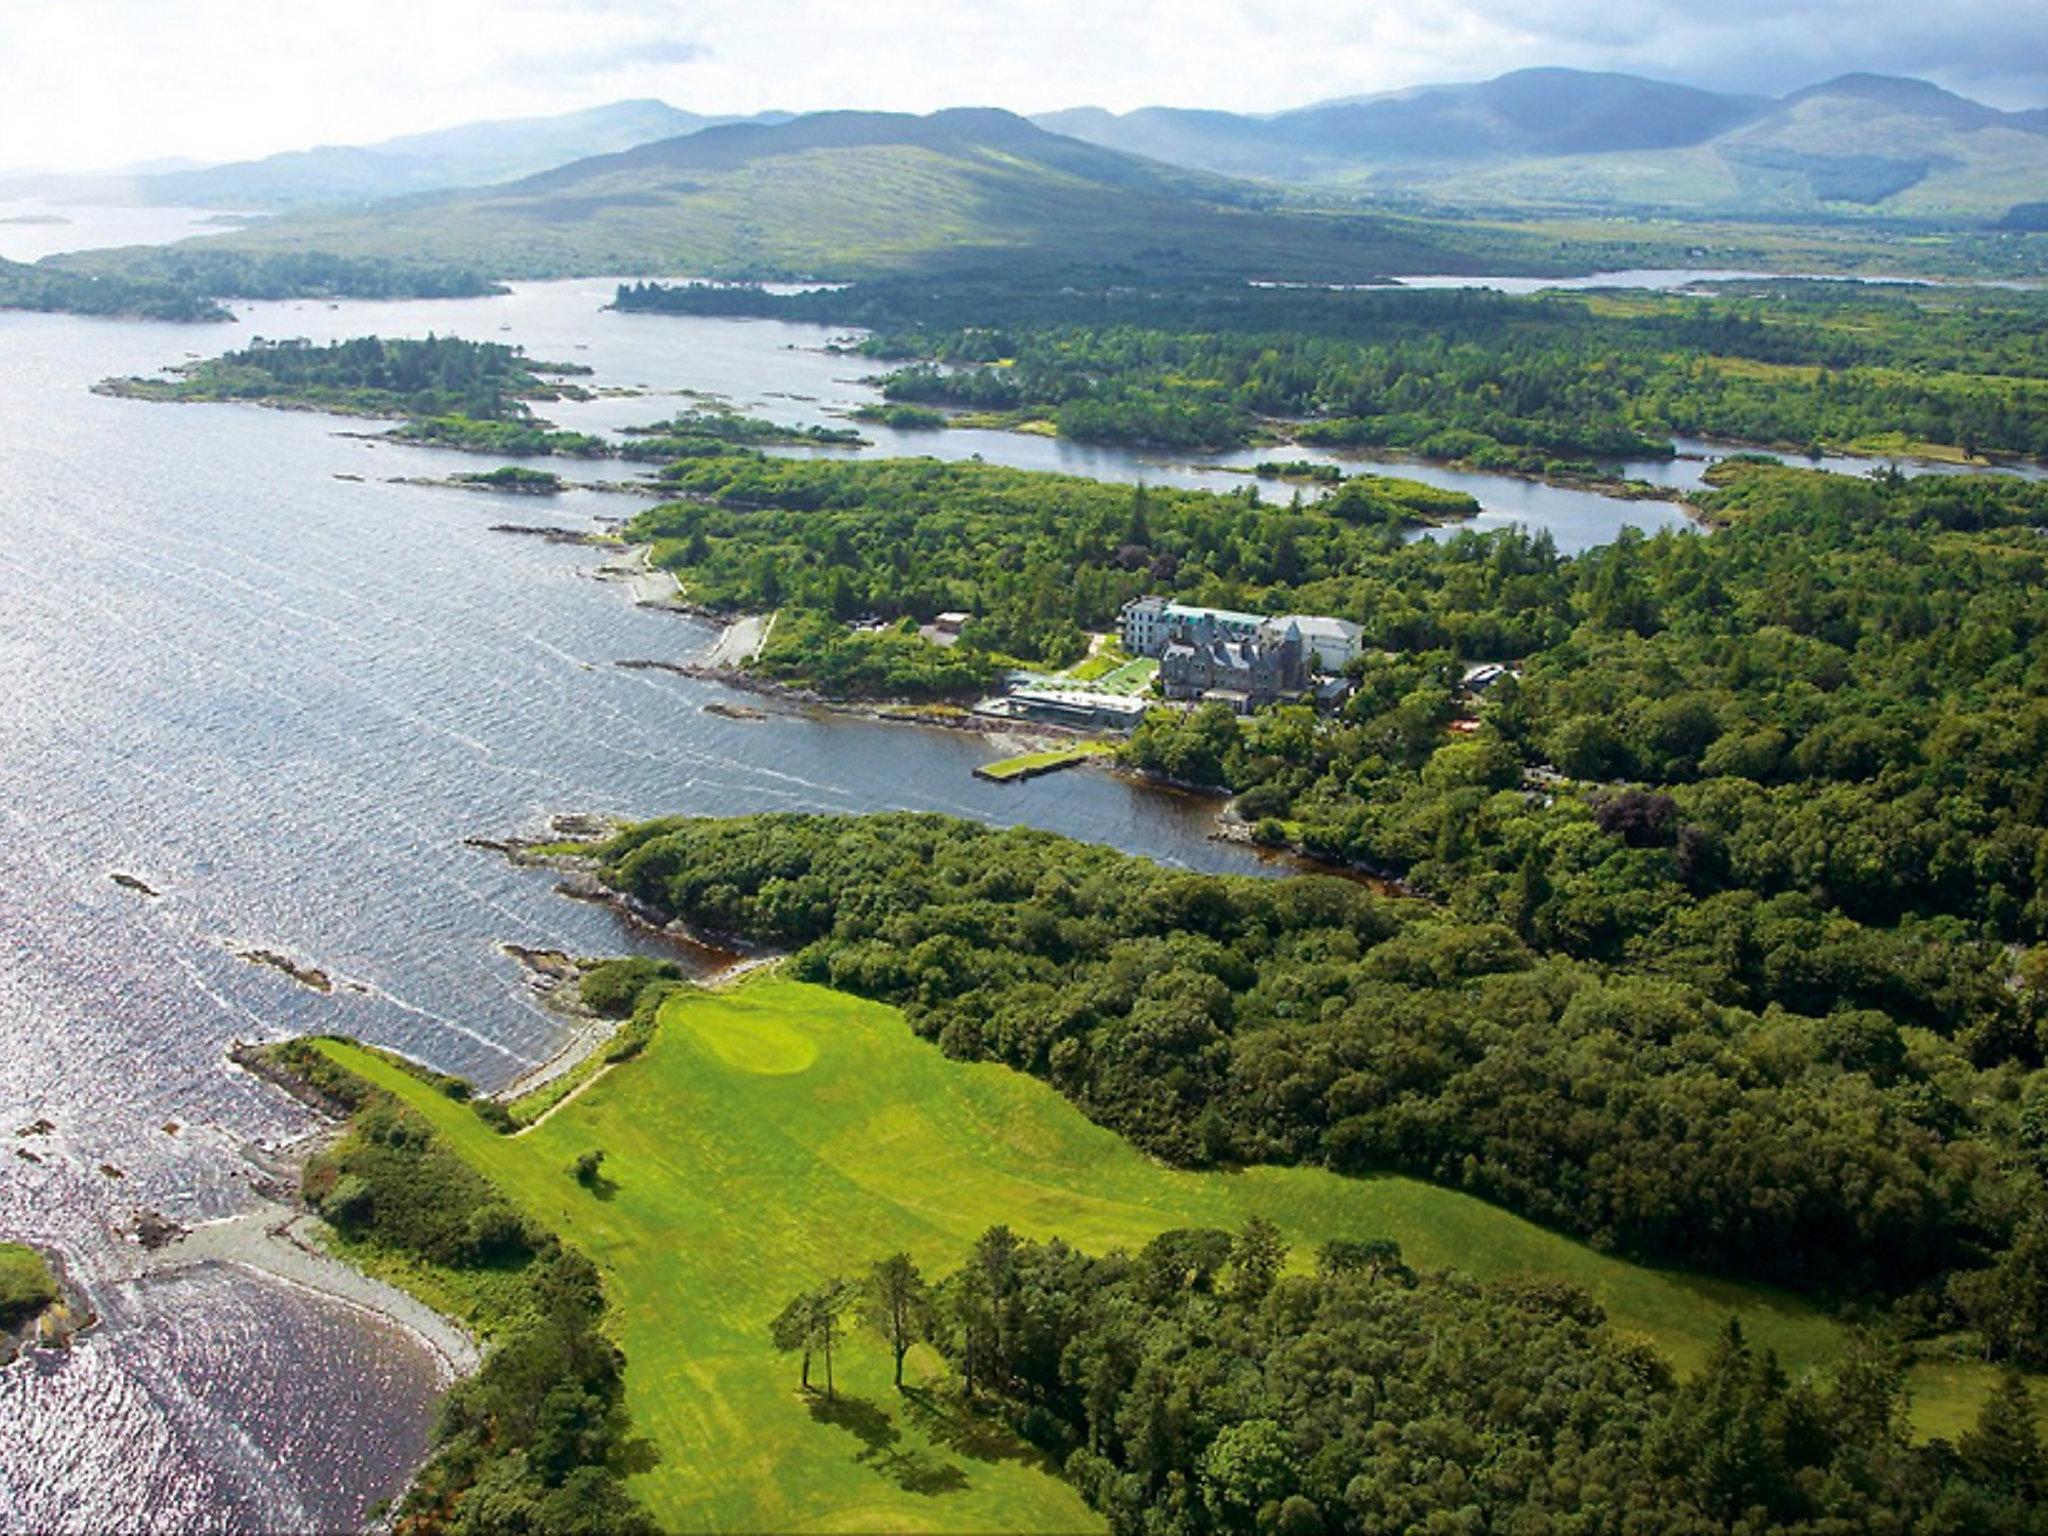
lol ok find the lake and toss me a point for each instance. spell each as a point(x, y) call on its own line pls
point(283, 699)
point(31, 230)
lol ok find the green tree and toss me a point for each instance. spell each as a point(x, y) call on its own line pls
point(813, 1322)
point(792, 1333)
point(1246, 1469)
point(2003, 1448)
point(1256, 1258)
point(896, 1303)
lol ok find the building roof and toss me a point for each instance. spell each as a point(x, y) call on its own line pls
point(1311, 624)
point(1074, 698)
point(1220, 615)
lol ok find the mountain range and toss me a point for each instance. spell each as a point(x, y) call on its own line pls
point(1537, 139)
point(1573, 140)
point(1342, 191)
point(848, 194)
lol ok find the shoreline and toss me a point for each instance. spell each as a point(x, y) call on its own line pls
point(280, 1242)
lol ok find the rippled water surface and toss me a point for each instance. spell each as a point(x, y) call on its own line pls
point(283, 698)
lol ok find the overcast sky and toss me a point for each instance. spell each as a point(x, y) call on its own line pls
point(101, 82)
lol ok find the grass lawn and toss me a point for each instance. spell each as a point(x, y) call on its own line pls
point(1104, 659)
point(777, 1133)
point(1027, 763)
point(1132, 677)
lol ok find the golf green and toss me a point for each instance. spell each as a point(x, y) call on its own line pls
point(777, 1133)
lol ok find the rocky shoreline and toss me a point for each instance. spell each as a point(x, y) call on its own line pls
point(280, 1239)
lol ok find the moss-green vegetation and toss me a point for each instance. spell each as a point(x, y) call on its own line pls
point(187, 282)
point(26, 1284)
point(815, 650)
point(47, 288)
point(514, 477)
point(904, 418)
point(776, 1133)
point(727, 426)
point(508, 439)
point(1515, 1401)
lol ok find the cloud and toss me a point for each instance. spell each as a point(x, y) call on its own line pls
point(604, 59)
point(98, 81)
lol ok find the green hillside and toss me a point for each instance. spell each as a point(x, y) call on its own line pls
point(848, 194)
point(1854, 146)
point(778, 1133)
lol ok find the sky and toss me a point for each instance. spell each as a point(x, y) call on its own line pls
point(97, 83)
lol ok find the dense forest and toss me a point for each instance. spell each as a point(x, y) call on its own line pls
point(1217, 1020)
point(1548, 383)
point(1834, 705)
point(1038, 559)
point(1198, 1388)
point(441, 376)
point(49, 289)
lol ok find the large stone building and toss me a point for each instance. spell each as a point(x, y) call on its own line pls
point(1244, 659)
point(1205, 661)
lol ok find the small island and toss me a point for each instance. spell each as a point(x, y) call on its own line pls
point(469, 396)
point(516, 479)
point(35, 1307)
point(368, 376)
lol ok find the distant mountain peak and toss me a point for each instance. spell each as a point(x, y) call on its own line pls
point(1551, 137)
point(1901, 93)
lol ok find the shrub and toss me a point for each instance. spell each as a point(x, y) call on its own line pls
point(26, 1284)
point(495, 1233)
point(612, 987)
point(350, 1204)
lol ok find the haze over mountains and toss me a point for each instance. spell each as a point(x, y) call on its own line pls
point(1535, 138)
point(1345, 190)
point(1571, 139)
point(1539, 139)
point(469, 155)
